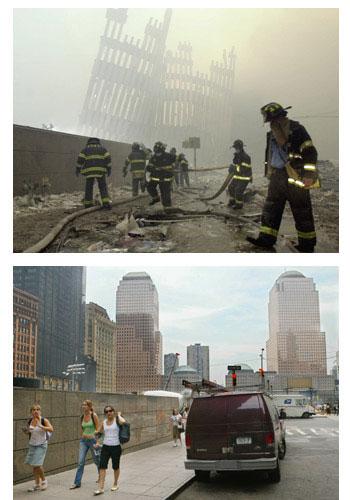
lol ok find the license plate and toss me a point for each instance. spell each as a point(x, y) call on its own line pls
point(244, 440)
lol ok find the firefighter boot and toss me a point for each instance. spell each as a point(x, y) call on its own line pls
point(154, 200)
point(304, 248)
point(260, 242)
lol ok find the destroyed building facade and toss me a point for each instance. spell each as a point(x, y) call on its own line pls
point(140, 91)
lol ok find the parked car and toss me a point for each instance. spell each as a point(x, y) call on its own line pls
point(294, 405)
point(235, 431)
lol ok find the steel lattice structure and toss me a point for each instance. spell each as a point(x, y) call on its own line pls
point(140, 91)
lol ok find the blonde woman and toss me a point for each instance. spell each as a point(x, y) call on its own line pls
point(111, 447)
point(89, 425)
point(38, 429)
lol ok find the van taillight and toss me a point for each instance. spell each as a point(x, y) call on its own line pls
point(188, 441)
point(269, 438)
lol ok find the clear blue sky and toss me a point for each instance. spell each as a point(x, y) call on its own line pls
point(223, 307)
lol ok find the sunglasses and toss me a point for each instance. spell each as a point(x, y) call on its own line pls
point(109, 411)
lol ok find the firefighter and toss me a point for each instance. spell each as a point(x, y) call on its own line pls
point(290, 164)
point(137, 161)
point(161, 169)
point(176, 167)
point(242, 174)
point(94, 162)
point(184, 178)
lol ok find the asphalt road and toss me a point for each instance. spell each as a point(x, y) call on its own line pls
point(309, 470)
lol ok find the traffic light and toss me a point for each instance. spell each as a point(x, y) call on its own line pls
point(262, 373)
point(234, 378)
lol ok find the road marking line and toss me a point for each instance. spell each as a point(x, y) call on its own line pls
point(301, 432)
point(313, 430)
point(289, 433)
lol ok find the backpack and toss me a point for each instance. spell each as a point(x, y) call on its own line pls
point(48, 434)
point(124, 433)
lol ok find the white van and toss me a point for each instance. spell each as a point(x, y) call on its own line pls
point(294, 405)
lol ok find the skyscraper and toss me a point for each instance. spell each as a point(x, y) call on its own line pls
point(100, 345)
point(61, 292)
point(198, 358)
point(296, 346)
point(25, 333)
point(171, 362)
point(139, 342)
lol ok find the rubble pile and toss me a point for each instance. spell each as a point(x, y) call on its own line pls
point(191, 225)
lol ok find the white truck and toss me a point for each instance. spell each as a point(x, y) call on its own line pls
point(294, 405)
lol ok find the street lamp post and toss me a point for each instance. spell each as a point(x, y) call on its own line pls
point(262, 368)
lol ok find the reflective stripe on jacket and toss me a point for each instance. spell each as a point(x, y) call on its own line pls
point(137, 162)
point(161, 167)
point(94, 160)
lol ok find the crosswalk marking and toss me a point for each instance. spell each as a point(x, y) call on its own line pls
point(311, 432)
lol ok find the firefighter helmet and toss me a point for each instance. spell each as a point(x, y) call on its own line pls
point(238, 144)
point(93, 140)
point(135, 146)
point(273, 110)
point(159, 147)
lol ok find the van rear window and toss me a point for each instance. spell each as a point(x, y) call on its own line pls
point(236, 408)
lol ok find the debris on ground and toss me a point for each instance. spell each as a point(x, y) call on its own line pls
point(190, 225)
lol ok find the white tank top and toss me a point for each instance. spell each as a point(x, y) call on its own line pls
point(111, 433)
point(37, 436)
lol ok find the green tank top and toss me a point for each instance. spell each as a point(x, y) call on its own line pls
point(88, 427)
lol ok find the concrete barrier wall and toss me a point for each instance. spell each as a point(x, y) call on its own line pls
point(148, 417)
point(38, 153)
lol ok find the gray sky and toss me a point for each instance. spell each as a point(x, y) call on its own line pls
point(223, 307)
point(286, 55)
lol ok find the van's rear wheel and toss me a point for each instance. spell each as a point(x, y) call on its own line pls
point(282, 448)
point(305, 415)
point(202, 475)
point(275, 475)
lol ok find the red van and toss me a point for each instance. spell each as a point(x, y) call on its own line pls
point(234, 431)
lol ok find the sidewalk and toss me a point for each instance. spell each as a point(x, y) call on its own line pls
point(152, 473)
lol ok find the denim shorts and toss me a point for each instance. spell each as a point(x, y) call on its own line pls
point(36, 455)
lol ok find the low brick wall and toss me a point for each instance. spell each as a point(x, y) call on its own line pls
point(148, 417)
point(38, 153)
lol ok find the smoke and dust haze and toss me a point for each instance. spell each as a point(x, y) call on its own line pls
point(284, 55)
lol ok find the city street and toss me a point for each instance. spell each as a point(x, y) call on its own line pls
point(309, 470)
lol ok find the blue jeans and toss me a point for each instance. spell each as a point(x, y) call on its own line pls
point(84, 446)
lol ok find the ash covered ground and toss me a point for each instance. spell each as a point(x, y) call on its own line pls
point(191, 225)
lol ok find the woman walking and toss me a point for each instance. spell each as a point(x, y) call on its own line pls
point(111, 447)
point(176, 421)
point(89, 425)
point(38, 429)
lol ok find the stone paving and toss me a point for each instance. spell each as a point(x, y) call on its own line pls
point(152, 473)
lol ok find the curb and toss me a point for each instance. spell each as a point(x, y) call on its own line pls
point(181, 488)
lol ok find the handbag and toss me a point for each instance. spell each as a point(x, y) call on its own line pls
point(124, 433)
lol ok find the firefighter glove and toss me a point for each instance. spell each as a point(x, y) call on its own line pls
point(231, 169)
